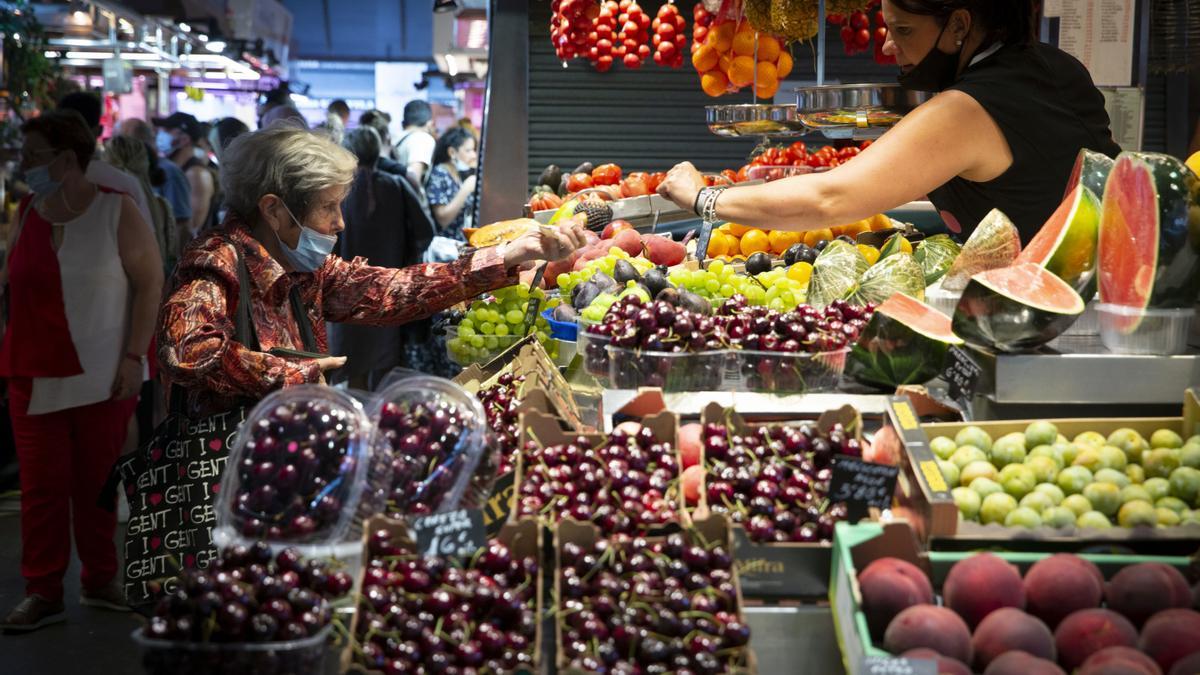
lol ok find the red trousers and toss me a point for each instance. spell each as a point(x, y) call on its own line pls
point(65, 458)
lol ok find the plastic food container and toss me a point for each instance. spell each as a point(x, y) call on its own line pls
point(1133, 330)
point(594, 349)
point(310, 656)
point(770, 173)
point(561, 330)
point(671, 372)
point(1087, 325)
point(437, 433)
point(784, 372)
point(297, 472)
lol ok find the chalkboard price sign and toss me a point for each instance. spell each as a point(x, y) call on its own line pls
point(962, 375)
point(454, 533)
point(882, 665)
point(706, 231)
point(862, 484)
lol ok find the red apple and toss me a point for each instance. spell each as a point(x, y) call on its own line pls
point(614, 227)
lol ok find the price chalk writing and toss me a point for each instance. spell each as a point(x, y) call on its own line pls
point(531, 310)
point(962, 375)
point(883, 665)
point(454, 533)
point(862, 484)
point(706, 231)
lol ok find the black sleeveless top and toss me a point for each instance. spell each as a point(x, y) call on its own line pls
point(1044, 102)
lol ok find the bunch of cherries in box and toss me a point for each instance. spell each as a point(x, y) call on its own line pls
point(631, 606)
point(249, 595)
point(806, 329)
point(774, 480)
point(500, 404)
point(445, 615)
point(297, 471)
point(625, 485)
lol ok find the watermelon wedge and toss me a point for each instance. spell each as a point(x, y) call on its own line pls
point(1149, 245)
point(1015, 309)
point(1091, 170)
point(994, 243)
point(905, 342)
point(1066, 244)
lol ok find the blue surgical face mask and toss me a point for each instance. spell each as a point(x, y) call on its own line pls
point(164, 142)
point(311, 250)
point(461, 166)
point(40, 182)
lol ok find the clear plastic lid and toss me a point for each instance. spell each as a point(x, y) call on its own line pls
point(441, 458)
point(297, 470)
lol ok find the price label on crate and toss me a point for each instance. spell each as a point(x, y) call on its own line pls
point(454, 533)
point(862, 484)
point(884, 665)
point(531, 310)
point(706, 230)
point(962, 374)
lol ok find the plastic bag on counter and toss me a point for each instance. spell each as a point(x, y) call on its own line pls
point(305, 468)
point(437, 432)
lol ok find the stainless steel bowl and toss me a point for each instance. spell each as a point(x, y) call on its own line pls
point(858, 110)
point(754, 120)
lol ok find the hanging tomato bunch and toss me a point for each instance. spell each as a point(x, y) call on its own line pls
point(634, 38)
point(670, 36)
point(602, 50)
point(858, 35)
point(701, 20)
point(569, 27)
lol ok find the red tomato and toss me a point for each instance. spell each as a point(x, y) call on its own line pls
point(655, 180)
point(578, 181)
point(606, 174)
point(743, 173)
point(635, 185)
point(798, 150)
point(864, 145)
point(817, 160)
point(731, 175)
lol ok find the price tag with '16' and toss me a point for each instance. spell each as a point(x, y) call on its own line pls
point(454, 533)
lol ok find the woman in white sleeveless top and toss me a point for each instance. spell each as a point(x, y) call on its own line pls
point(83, 278)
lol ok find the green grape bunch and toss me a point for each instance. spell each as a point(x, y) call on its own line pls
point(493, 324)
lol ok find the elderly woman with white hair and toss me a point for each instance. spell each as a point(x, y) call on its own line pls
point(284, 188)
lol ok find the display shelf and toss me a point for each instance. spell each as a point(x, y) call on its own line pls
point(750, 405)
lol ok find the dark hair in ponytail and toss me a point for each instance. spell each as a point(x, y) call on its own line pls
point(1010, 21)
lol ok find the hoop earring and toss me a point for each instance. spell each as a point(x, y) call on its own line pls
point(958, 43)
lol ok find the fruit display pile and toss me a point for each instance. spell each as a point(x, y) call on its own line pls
point(1040, 478)
point(631, 605)
point(1062, 617)
point(772, 480)
point(247, 594)
point(500, 404)
point(494, 324)
point(433, 614)
point(625, 483)
point(771, 163)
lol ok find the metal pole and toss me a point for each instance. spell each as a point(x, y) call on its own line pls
point(820, 43)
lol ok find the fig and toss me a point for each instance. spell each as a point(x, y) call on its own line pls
point(694, 303)
point(758, 263)
point(789, 256)
point(668, 295)
point(565, 313)
point(551, 177)
point(624, 272)
point(806, 254)
point(605, 282)
point(587, 293)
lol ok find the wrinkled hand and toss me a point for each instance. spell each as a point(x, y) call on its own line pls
point(330, 363)
point(128, 381)
point(682, 184)
point(545, 242)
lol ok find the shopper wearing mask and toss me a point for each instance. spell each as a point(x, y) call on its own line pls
point(284, 187)
point(175, 188)
point(83, 279)
point(176, 139)
point(1003, 132)
point(451, 187)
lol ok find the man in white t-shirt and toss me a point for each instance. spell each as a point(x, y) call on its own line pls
point(98, 171)
point(414, 150)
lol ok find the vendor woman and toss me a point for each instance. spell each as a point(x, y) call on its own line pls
point(1010, 116)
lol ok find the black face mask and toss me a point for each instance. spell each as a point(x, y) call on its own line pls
point(935, 72)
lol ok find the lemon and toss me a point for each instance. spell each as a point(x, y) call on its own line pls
point(801, 272)
point(869, 252)
point(1193, 163)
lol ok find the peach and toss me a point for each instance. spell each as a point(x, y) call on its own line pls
point(1088, 631)
point(1119, 661)
point(1171, 635)
point(1010, 629)
point(889, 586)
point(1021, 663)
point(981, 584)
point(1188, 665)
point(929, 626)
point(1057, 586)
point(628, 241)
point(1140, 590)
point(690, 445)
point(945, 664)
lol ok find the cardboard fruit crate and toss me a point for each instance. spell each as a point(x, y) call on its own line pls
point(857, 546)
point(714, 529)
point(524, 538)
point(929, 505)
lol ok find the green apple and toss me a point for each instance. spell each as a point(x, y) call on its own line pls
point(975, 436)
point(1105, 497)
point(1023, 517)
point(966, 454)
point(943, 447)
point(1137, 513)
point(1043, 468)
point(1157, 488)
point(1038, 501)
point(1166, 517)
point(1111, 457)
point(979, 469)
point(1166, 438)
point(1073, 479)
point(1136, 473)
point(996, 507)
point(1008, 449)
point(1160, 462)
point(1185, 484)
point(984, 487)
point(1094, 520)
point(1018, 480)
point(1088, 458)
point(968, 502)
point(1040, 433)
point(1130, 442)
point(1135, 492)
point(1090, 438)
point(949, 471)
point(1058, 517)
point(1113, 476)
point(1053, 491)
point(1050, 451)
point(1189, 455)
point(1069, 451)
point(1077, 503)
point(1175, 504)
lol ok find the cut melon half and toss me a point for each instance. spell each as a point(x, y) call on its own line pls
point(1091, 170)
point(1066, 244)
point(1015, 309)
point(995, 243)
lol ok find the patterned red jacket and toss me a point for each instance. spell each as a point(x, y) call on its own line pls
point(195, 335)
